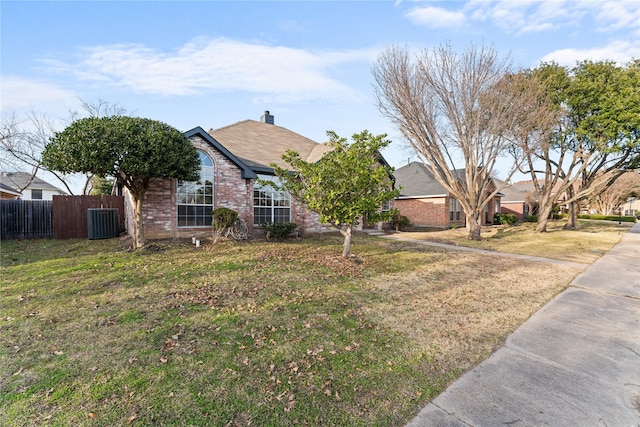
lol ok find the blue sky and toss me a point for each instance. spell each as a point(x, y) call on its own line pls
point(213, 63)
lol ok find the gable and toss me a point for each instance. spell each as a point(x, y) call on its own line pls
point(246, 171)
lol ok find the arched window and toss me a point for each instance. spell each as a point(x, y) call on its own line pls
point(195, 198)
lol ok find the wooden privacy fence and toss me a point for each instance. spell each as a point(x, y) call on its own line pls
point(70, 214)
point(26, 219)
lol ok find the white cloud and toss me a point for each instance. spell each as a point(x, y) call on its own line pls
point(618, 51)
point(614, 15)
point(19, 94)
point(216, 65)
point(526, 16)
point(436, 17)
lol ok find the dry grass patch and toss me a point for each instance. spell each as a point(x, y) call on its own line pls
point(462, 307)
point(585, 245)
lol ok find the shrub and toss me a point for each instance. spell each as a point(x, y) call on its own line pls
point(505, 218)
point(279, 230)
point(531, 218)
point(609, 218)
point(224, 218)
point(400, 222)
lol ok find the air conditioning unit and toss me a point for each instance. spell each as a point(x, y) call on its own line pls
point(102, 223)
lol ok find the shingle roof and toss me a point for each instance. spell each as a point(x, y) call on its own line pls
point(259, 144)
point(20, 180)
point(415, 180)
point(4, 188)
point(517, 192)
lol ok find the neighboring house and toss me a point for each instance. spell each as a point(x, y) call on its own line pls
point(28, 186)
point(519, 199)
point(233, 158)
point(426, 203)
point(8, 193)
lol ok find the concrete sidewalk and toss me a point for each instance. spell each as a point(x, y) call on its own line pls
point(576, 362)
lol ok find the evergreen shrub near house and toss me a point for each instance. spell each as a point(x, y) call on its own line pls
point(224, 218)
point(505, 218)
point(280, 230)
point(400, 222)
point(223, 222)
point(531, 218)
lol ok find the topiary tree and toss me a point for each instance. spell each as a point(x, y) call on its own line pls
point(132, 150)
point(223, 221)
point(349, 182)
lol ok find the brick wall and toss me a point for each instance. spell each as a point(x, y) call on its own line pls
point(432, 212)
point(230, 190)
point(513, 208)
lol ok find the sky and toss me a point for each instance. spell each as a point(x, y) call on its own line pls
point(214, 63)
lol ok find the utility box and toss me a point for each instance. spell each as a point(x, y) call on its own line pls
point(102, 223)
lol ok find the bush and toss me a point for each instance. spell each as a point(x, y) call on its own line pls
point(609, 218)
point(531, 218)
point(400, 222)
point(224, 218)
point(505, 218)
point(279, 230)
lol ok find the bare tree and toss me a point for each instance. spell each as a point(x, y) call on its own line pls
point(607, 199)
point(455, 110)
point(22, 144)
point(22, 141)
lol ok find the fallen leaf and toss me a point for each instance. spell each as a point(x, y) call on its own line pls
point(132, 418)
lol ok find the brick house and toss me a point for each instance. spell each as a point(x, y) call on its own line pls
point(426, 203)
point(519, 199)
point(233, 158)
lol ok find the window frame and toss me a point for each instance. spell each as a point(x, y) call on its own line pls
point(35, 192)
point(195, 199)
point(270, 202)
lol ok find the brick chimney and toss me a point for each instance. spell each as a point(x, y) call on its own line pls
point(267, 118)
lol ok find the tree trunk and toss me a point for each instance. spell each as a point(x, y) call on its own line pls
point(138, 239)
point(346, 246)
point(474, 227)
point(572, 217)
point(543, 217)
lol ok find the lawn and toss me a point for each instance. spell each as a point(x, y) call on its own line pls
point(249, 333)
point(588, 243)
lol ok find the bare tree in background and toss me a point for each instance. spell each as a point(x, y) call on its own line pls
point(607, 199)
point(466, 110)
point(22, 144)
point(23, 140)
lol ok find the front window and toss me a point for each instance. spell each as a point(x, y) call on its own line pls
point(270, 205)
point(454, 209)
point(195, 198)
point(36, 194)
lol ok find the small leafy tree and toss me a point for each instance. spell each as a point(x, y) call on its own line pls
point(349, 182)
point(132, 150)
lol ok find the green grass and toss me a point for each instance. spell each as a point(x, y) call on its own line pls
point(248, 333)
